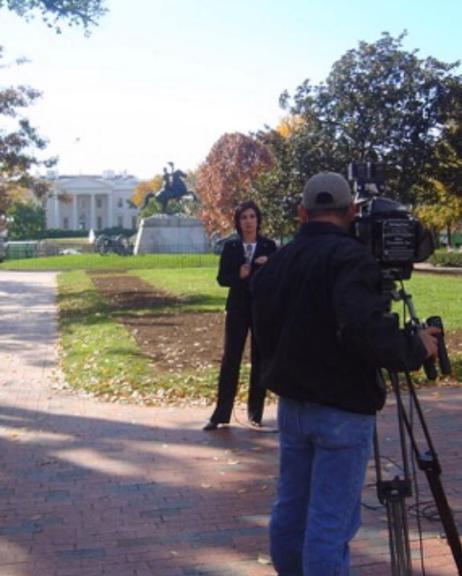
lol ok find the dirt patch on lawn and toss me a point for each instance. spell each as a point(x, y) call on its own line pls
point(180, 340)
point(174, 340)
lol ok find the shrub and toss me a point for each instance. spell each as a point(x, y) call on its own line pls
point(115, 231)
point(445, 258)
point(61, 233)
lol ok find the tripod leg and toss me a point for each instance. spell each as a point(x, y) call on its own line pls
point(393, 494)
point(430, 465)
point(447, 519)
point(400, 552)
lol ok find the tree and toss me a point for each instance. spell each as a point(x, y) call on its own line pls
point(225, 178)
point(379, 103)
point(152, 207)
point(277, 190)
point(146, 187)
point(26, 221)
point(17, 143)
point(438, 208)
point(75, 12)
point(448, 150)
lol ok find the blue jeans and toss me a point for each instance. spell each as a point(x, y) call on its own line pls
point(323, 459)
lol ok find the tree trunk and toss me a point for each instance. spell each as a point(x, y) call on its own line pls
point(449, 232)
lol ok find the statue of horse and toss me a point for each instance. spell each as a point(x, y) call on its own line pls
point(174, 188)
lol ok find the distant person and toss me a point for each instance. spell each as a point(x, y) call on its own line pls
point(322, 329)
point(239, 260)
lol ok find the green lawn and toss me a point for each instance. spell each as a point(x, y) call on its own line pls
point(100, 356)
point(112, 262)
point(437, 295)
point(97, 353)
point(197, 285)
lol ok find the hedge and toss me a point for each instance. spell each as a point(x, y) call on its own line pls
point(445, 258)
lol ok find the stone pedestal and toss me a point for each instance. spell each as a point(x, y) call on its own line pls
point(171, 233)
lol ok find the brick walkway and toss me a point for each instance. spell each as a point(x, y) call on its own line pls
point(90, 488)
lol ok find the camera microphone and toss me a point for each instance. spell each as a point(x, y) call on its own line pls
point(248, 249)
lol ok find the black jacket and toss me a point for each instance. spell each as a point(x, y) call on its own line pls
point(322, 325)
point(232, 258)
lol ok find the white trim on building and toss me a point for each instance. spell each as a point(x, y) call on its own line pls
point(91, 202)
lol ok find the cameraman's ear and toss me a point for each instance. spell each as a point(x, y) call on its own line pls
point(352, 210)
point(302, 213)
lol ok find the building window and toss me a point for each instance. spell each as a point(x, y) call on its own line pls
point(120, 203)
point(99, 202)
point(66, 223)
point(134, 222)
point(99, 223)
point(120, 221)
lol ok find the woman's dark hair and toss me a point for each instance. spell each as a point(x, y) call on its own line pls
point(243, 206)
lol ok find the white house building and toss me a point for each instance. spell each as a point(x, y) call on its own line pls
point(87, 202)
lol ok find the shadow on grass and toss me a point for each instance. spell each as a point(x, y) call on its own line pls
point(96, 309)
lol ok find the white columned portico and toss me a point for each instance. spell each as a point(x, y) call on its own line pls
point(92, 211)
point(109, 210)
point(75, 223)
point(55, 211)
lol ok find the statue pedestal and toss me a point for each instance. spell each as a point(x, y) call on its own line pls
point(171, 234)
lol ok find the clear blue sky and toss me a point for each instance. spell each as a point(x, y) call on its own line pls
point(162, 80)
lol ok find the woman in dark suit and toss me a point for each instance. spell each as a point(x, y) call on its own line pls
point(239, 260)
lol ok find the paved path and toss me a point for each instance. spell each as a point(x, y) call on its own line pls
point(90, 488)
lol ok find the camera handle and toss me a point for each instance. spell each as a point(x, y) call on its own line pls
point(414, 325)
point(443, 358)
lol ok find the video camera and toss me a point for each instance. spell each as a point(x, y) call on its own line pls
point(397, 240)
point(393, 235)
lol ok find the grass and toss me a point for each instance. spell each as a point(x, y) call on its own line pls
point(437, 295)
point(100, 356)
point(112, 262)
point(198, 286)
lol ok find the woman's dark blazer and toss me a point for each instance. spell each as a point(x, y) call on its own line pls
point(232, 258)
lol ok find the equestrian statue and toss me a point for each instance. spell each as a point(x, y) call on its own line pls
point(173, 188)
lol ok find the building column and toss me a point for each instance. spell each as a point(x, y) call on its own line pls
point(75, 223)
point(55, 210)
point(92, 211)
point(109, 210)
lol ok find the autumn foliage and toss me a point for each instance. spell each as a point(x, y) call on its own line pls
point(146, 187)
point(234, 161)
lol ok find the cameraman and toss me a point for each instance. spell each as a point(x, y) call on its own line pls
point(322, 329)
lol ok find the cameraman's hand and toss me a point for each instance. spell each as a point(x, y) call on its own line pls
point(244, 271)
point(429, 337)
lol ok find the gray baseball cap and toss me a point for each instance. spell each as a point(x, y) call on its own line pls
point(326, 191)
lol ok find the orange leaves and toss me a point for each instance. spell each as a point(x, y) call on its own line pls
point(224, 178)
point(145, 187)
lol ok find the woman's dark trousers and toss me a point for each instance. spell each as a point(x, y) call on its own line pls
point(237, 326)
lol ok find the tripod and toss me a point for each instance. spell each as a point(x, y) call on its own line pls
point(392, 493)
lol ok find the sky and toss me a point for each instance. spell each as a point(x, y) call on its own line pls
point(163, 80)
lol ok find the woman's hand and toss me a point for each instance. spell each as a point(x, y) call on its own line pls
point(261, 260)
point(244, 271)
